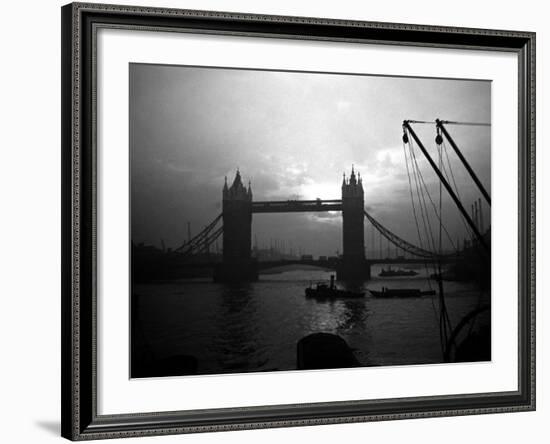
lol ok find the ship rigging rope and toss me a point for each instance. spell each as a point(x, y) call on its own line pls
point(419, 179)
point(469, 231)
point(444, 318)
point(416, 220)
point(412, 197)
point(450, 170)
point(421, 199)
point(442, 310)
point(446, 331)
point(437, 214)
point(426, 266)
point(456, 190)
point(422, 190)
point(449, 122)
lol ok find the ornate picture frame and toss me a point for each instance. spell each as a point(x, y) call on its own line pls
point(80, 386)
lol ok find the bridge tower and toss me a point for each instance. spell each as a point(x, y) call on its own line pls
point(237, 263)
point(353, 265)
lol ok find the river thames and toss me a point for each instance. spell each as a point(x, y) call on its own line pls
point(256, 326)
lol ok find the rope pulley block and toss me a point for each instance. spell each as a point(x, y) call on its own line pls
point(438, 137)
point(405, 136)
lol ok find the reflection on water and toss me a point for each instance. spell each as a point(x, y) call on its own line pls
point(256, 326)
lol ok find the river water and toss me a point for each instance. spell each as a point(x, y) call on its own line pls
point(256, 326)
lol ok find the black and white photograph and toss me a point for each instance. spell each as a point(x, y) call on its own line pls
point(294, 221)
point(277, 221)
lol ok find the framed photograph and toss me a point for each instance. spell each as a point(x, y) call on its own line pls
point(279, 221)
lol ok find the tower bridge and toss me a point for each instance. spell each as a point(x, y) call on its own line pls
point(238, 207)
point(237, 263)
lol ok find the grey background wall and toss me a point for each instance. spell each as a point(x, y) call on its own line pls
point(30, 220)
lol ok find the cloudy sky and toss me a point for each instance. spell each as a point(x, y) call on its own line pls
point(292, 135)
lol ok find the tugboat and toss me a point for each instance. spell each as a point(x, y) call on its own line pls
point(395, 273)
point(401, 293)
point(324, 291)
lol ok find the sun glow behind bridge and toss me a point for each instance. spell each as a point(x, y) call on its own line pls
point(320, 190)
point(325, 191)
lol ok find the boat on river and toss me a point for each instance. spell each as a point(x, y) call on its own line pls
point(323, 290)
point(401, 293)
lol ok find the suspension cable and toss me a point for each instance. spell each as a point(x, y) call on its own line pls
point(195, 242)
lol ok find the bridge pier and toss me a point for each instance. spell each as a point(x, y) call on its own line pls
point(353, 270)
